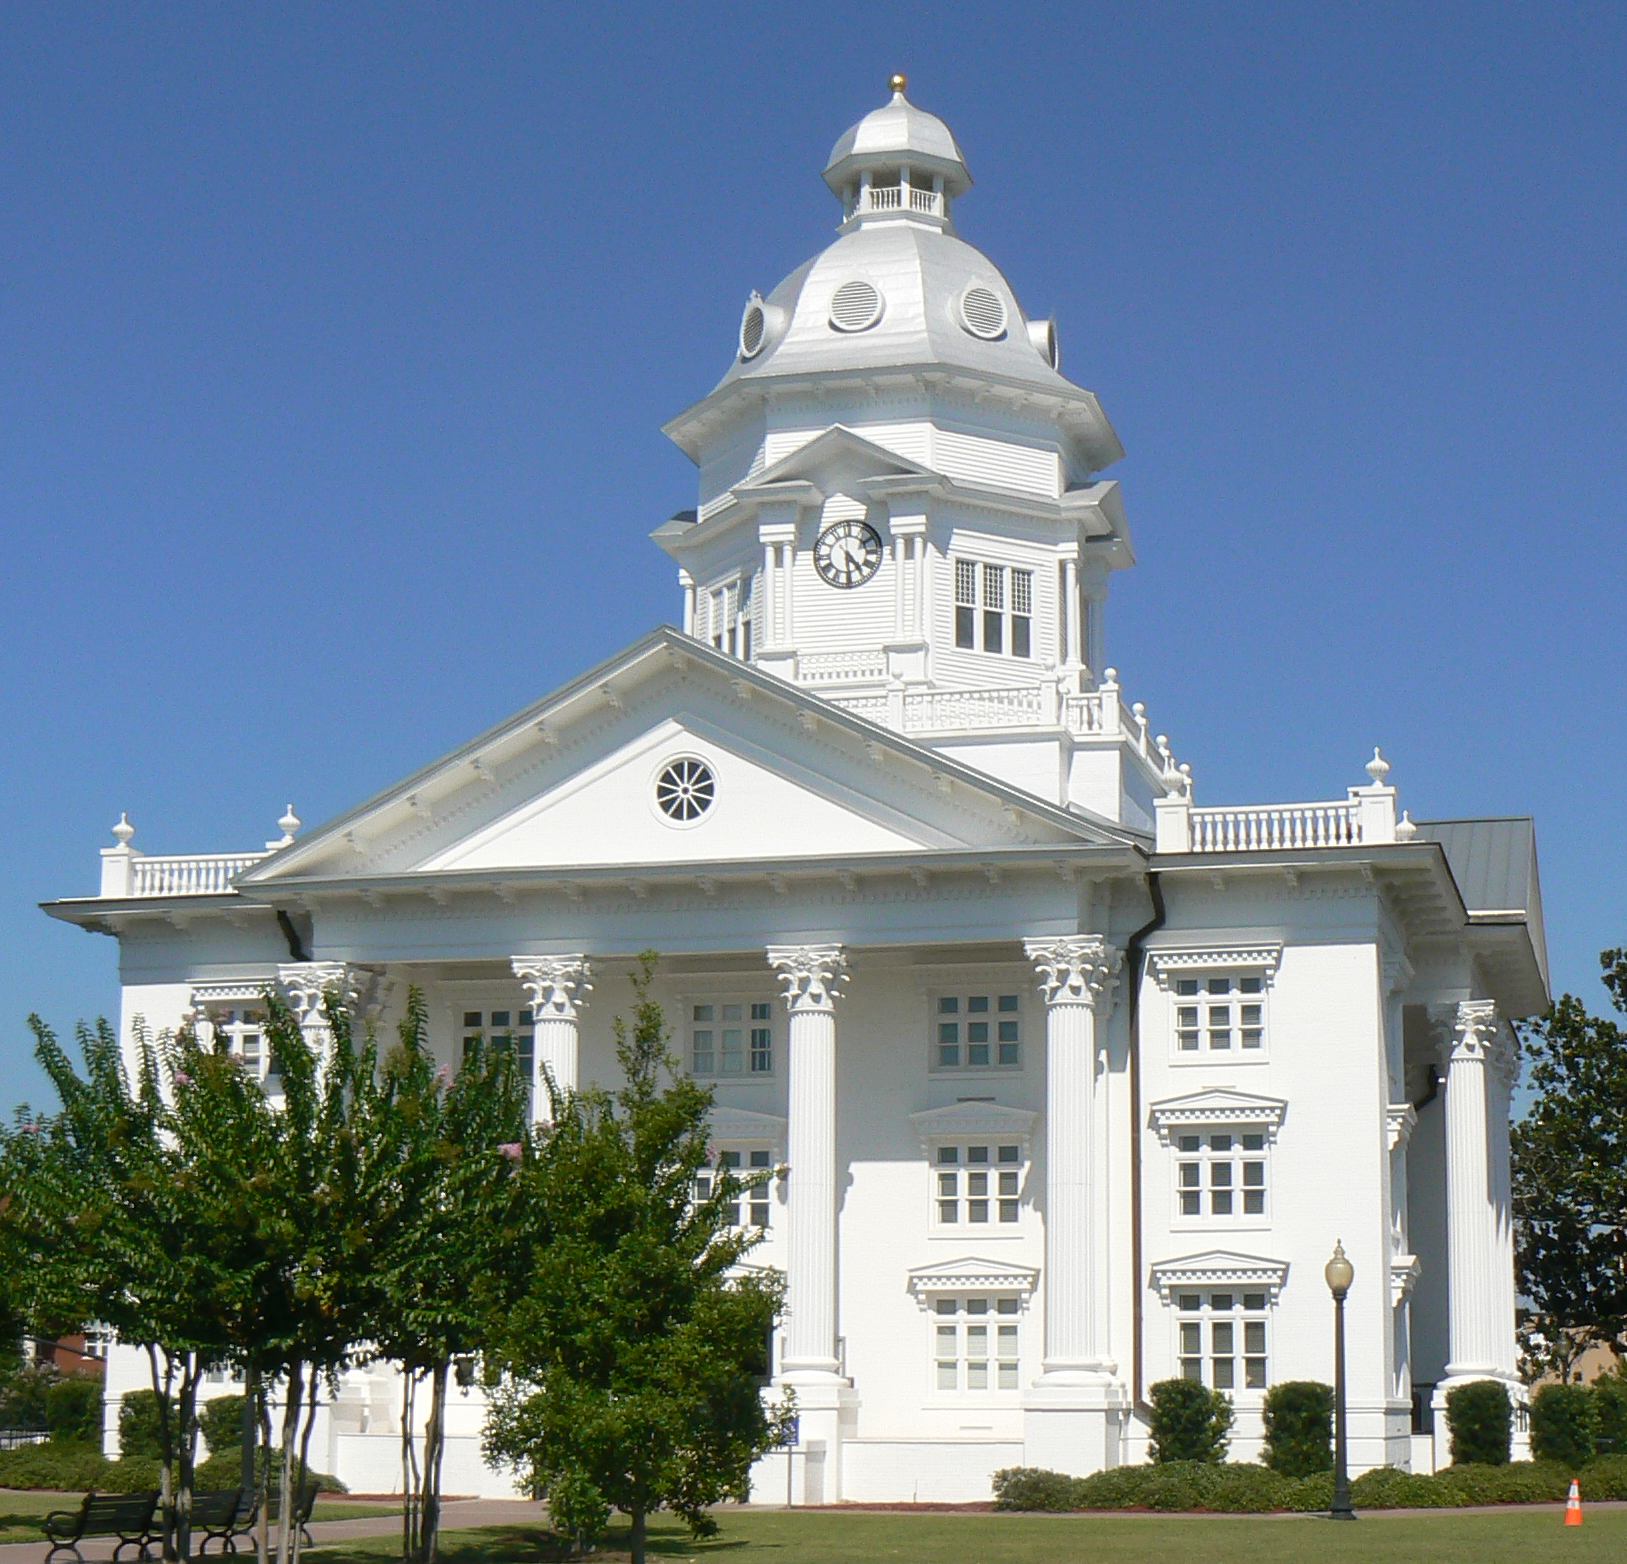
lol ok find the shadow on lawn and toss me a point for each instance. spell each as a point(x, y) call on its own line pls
point(537, 1545)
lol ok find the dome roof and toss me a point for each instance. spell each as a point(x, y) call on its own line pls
point(898, 132)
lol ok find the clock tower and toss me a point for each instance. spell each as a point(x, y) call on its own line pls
point(901, 506)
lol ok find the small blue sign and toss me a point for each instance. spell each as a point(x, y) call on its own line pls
point(793, 1433)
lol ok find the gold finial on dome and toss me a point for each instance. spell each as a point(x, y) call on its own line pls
point(898, 81)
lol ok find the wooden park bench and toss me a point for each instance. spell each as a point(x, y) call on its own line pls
point(127, 1516)
point(245, 1513)
point(213, 1515)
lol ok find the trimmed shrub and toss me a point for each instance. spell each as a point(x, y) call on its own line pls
point(1387, 1488)
point(1610, 1414)
point(1518, 1482)
point(1604, 1477)
point(23, 1396)
point(71, 1466)
point(1190, 1422)
point(1481, 1419)
point(73, 1410)
point(1299, 1427)
point(1564, 1422)
point(220, 1421)
point(1034, 1488)
point(139, 1436)
point(224, 1471)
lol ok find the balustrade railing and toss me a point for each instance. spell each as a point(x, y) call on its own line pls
point(927, 711)
point(1269, 827)
point(891, 198)
point(199, 874)
point(840, 667)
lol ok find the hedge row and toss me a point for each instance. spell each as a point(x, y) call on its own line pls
point(1237, 1488)
point(78, 1467)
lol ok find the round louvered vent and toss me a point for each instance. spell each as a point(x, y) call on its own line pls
point(685, 789)
point(753, 328)
point(855, 306)
point(982, 313)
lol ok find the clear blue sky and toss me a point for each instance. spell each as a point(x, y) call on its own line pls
point(335, 342)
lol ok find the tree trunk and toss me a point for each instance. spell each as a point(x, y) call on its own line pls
point(293, 1396)
point(186, 1453)
point(638, 1538)
point(166, 1445)
point(409, 1465)
point(262, 1482)
point(313, 1391)
point(434, 1449)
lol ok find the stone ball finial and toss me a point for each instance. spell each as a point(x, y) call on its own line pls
point(1110, 676)
point(898, 82)
point(1378, 768)
point(123, 831)
point(1186, 778)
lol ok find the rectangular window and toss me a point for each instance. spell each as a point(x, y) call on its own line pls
point(994, 608)
point(504, 1031)
point(244, 1034)
point(975, 1342)
point(977, 1032)
point(731, 1038)
point(1220, 1174)
point(977, 1184)
point(1221, 1338)
point(747, 1207)
point(965, 604)
point(1223, 1014)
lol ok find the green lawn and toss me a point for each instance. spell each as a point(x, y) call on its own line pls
point(1508, 1537)
point(21, 1512)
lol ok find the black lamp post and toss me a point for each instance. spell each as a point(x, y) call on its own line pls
point(1340, 1274)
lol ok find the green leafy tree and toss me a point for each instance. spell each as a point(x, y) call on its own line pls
point(457, 1199)
point(629, 1352)
point(1570, 1180)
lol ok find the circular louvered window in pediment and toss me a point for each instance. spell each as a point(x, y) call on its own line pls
point(855, 306)
point(982, 313)
point(685, 790)
point(753, 328)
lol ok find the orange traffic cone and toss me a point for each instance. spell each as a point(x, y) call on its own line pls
point(1573, 1504)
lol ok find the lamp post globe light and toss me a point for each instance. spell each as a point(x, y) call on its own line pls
point(1340, 1274)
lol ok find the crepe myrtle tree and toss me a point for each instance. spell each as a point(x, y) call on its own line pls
point(1570, 1179)
point(628, 1355)
point(105, 1217)
point(456, 1132)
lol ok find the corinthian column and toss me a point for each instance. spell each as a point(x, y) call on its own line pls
point(1475, 1292)
point(1076, 975)
point(812, 975)
point(558, 988)
point(307, 984)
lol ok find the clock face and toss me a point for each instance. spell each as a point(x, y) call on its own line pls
point(848, 553)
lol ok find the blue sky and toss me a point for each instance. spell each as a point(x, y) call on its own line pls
point(335, 344)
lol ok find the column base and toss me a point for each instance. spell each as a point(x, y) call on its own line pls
point(1074, 1422)
point(825, 1407)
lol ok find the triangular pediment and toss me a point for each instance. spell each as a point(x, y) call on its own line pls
point(1217, 1106)
point(575, 781)
point(835, 462)
point(969, 1273)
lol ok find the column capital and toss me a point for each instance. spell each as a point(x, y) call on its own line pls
point(1474, 1031)
point(1075, 969)
point(557, 986)
point(812, 974)
point(306, 984)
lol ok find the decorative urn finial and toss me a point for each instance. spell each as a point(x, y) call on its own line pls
point(123, 831)
point(1378, 768)
point(289, 826)
point(1406, 827)
point(898, 82)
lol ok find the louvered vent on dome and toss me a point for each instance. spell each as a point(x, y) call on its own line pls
point(982, 313)
point(753, 328)
point(855, 306)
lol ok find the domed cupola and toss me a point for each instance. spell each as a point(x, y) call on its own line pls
point(897, 163)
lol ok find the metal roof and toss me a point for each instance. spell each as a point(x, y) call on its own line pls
point(1495, 865)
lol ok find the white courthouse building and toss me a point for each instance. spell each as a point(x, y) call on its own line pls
point(1074, 1080)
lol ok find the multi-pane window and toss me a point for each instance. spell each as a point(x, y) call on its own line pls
point(978, 1032)
point(994, 608)
point(975, 1341)
point(977, 1183)
point(505, 1031)
point(1221, 1337)
point(1220, 1173)
point(728, 619)
point(748, 1207)
point(1224, 1013)
point(736, 1038)
point(244, 1032)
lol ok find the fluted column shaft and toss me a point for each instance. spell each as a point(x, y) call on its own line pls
point(1473, 1246)
point(1076, 976)
point(811, 975)
point(558, 989)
